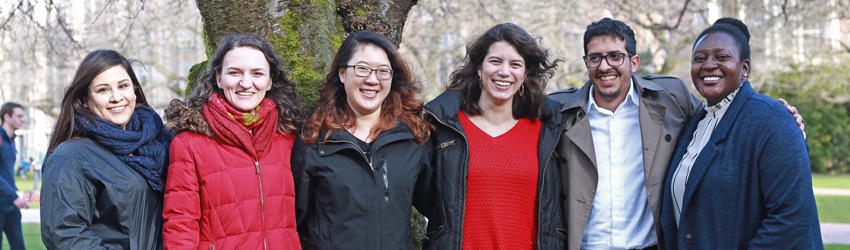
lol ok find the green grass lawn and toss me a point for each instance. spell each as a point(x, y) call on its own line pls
point(836, 247)
point(833, 208)
point(32, 237)
point(26, 185)
point(831, 181)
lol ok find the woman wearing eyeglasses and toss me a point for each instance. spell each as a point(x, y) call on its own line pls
point(362, 162)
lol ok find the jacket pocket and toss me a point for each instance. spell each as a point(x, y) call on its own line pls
point(432, 235)
point(561, 233)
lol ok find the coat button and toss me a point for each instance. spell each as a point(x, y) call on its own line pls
point(321, 152)
point(668, 138)
point(689, 238)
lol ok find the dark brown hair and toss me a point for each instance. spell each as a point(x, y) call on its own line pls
point(188, 114)
point(401, 103)
point(8, 108)
point(77, 94)
point(538, 68)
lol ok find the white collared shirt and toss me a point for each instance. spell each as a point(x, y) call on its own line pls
point(703, 132)
point(621, 217)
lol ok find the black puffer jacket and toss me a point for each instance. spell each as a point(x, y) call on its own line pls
point(348, 199)
point(92, 200)
point(451, 163)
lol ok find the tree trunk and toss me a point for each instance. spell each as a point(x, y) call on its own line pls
point(305, 33)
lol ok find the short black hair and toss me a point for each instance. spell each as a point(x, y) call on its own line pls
point(613, 28)
point(734, 28)
point(8, 108)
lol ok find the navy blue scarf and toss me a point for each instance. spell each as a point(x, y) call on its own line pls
point(143, 146)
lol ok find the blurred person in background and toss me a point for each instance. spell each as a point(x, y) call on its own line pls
point(12, 115)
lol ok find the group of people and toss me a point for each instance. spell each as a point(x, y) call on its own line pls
point(493, 162)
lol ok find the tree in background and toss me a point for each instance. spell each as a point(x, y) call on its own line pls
point(305, 33)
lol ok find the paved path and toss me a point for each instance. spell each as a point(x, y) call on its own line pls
point(30, 215)
point(835, 233)
point(832, 191)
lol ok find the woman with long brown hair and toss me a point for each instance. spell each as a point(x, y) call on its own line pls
point(362, 162)
point(105, 162)
point(230, 183)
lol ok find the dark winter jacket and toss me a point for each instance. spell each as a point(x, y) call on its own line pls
point(92, 200)
point(350, 197)
point(451, 163)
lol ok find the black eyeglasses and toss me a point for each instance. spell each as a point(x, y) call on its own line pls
point(363, 71)
point(613, 59)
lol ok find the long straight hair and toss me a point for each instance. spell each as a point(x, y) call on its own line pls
point(77, 94)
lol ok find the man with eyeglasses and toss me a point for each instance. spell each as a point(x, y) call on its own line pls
point(617, 143)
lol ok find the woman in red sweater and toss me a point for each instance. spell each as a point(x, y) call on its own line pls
point(498, 184)
point(229, 180)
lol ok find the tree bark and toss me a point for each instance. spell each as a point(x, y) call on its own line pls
point(304, 33)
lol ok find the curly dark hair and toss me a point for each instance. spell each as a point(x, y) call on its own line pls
point(401, 103)
point(188, 114)
point(77, 94)
point(539, 69)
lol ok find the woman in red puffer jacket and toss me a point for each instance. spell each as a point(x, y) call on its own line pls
point(229, 182)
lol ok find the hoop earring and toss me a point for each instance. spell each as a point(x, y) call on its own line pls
point(521, 89)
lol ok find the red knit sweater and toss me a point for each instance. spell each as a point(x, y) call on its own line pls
point(501, 192)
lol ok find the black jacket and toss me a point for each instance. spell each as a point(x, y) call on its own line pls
point(348, 199)
point(92, 200)
point(451, 162)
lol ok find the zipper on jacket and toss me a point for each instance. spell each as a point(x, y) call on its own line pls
point(262, 204)
point(543, 182)
point(212, 247)
point(464, 171)
point(386, 181)
point(368, 159)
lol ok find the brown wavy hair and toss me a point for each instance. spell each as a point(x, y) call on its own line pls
point(401, 103)
point(466, 80)
point(188, 114)
point(77, 94)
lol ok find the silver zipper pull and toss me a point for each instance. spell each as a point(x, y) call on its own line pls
point(386, 180)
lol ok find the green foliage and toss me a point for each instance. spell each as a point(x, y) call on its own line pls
point(815, 91)
point(194, 72)
point(418, 222)
point(833, 208)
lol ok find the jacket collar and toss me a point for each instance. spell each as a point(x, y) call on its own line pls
point(643, 87)
point(340, 139)
point(710, 150)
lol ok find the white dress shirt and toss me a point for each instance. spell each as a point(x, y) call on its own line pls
point(621, 216)
point(704, 130)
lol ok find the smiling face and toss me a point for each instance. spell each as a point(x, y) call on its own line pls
point(111, 96)
point(716, 67)
point(244, 78)
point(610, 83)
point(502, 73)
point(365, 95)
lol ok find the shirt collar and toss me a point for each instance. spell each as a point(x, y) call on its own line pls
point(631, 98)
point(723, 104)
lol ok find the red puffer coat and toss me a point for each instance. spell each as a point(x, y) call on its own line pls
point(218, 197)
